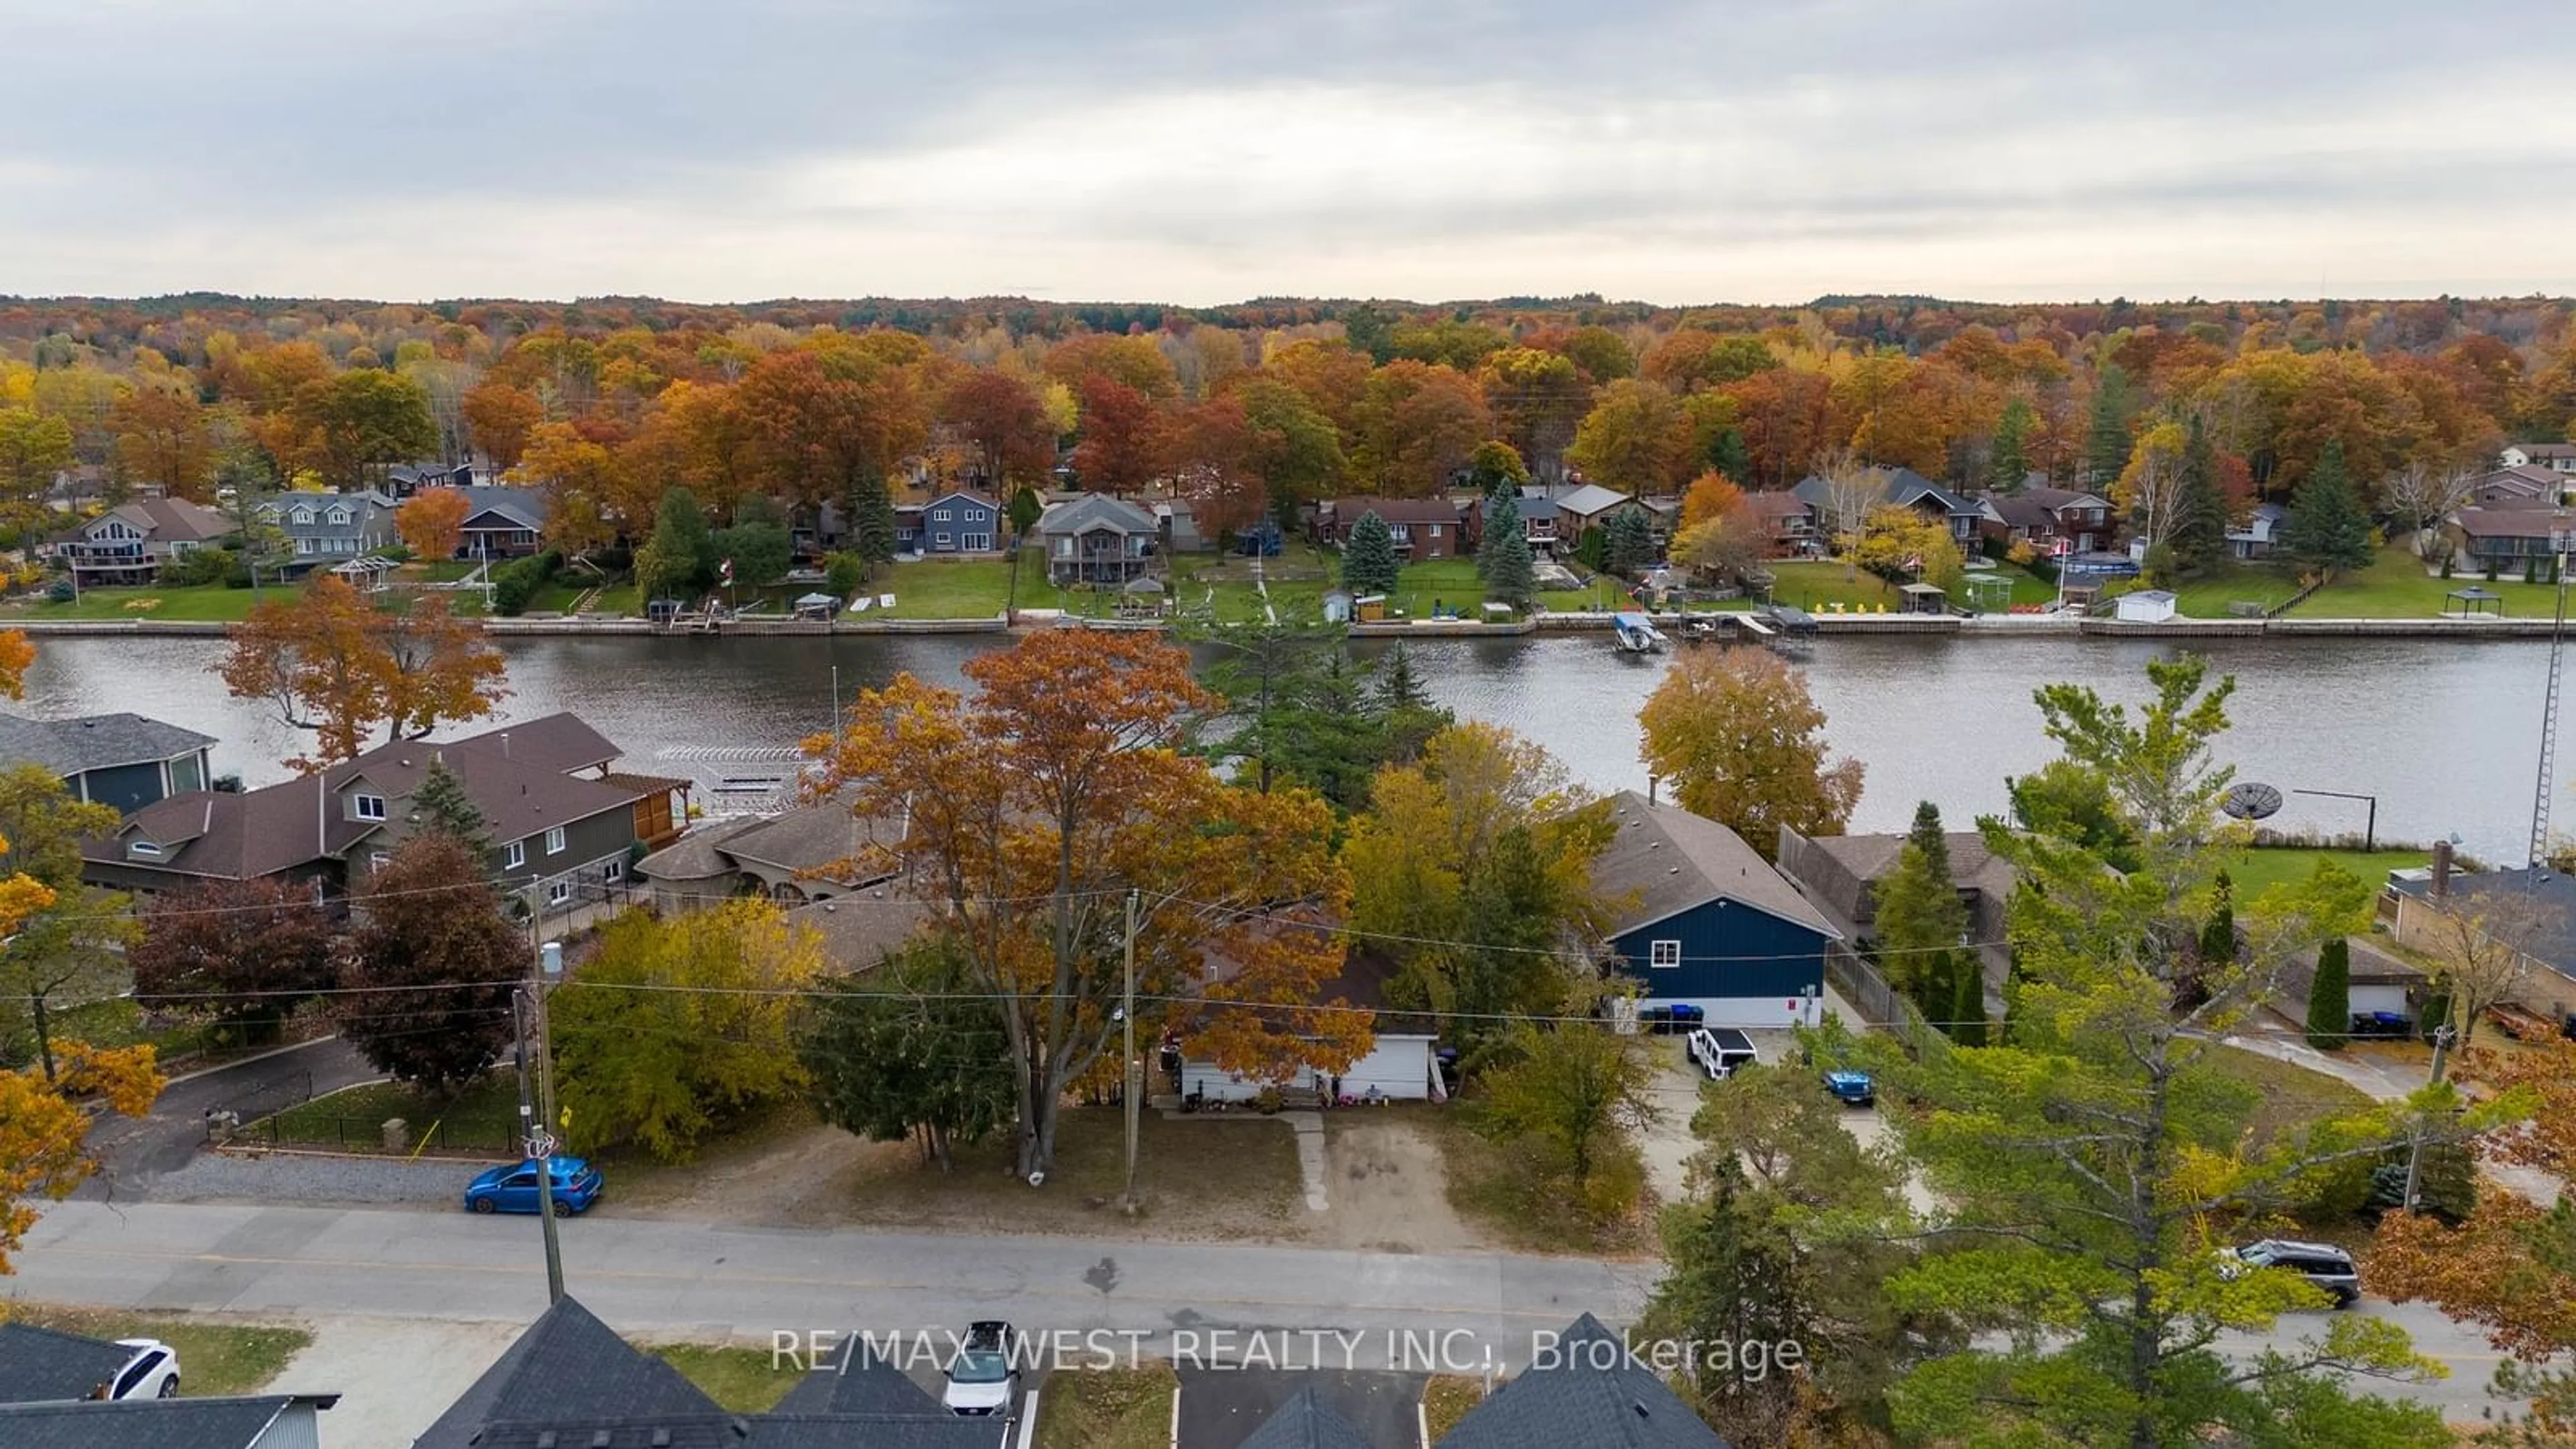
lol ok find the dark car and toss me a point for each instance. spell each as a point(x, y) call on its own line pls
point(512, 1187)
point(2322, 1264)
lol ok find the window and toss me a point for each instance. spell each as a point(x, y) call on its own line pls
point(514, 855)
point(1435, 530)
point(555, 841)
point(942, 515)
point(1664, 955)
point(340, 517)
point(367, 807)
point(142, 850)
point(976, 542)
point(304, 516)
point(304, 545)
point(376, 860)
point(615, 870)
point(939, 539)
point(1064, 546)
point(558, 891)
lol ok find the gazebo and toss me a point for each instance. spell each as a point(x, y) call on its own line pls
point(2473, 602)
point(366, 574)
point(1924, 599)
point(817, 606)
point(1989, 592)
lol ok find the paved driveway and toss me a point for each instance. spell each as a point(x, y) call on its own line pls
point(1221, 1407)
point(132, 1153)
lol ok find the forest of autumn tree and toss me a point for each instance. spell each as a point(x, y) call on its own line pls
point(609, 403)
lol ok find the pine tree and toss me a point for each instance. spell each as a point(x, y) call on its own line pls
point(1026, 508)
point(2008, 469)
point(2330, 996)
point(681, 554)
point(2199, 537)
point(2327, 528)
point(1631, 542)
point(1502, 522)
point(1730, 457)
point(1967, 1019)
point(1368, 558)
point(2218, 936)
point(441, 805)
point(871, 522)
point(1511, 575)
point(2106, 436)
point(1921, 922)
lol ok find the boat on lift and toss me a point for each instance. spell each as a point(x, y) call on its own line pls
point(1635, 634)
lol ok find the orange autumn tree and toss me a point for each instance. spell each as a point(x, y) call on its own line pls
point(333, 663)
point(432, 522)
point(1036, 806)
point(2511, 1268)
point(43, 1128)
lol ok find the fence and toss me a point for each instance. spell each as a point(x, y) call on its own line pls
point(260, 1099)
point(1880, 1004)
point(362, 1134)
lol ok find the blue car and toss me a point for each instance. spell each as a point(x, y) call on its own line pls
point(1852, 1089)
point(512, 1187)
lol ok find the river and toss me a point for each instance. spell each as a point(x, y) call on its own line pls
point(2444, 733)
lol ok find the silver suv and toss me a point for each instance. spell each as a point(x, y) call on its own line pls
point(2328, 1267)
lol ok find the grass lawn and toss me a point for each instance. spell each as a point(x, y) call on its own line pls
point(200, 602)
point(215, 1359)
point(1446, 1398)
point(1237, 1171)
point(2292, 1096)
point(1129, 1408)
point(2207, 597)
point(1817, 585)
point(2397, 587)
point(118, 1022)
point(1450, 583)
point(485, 1118)
point(621, 598)
point(740, 1380)
point(441, 571)
point(2260, 870)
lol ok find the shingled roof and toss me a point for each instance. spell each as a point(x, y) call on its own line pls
point(40, 1365)
point(95, 741)
point(1666, 860)
point(147, 1423)
point(1304, 1423)
point(858, 1382)
point(568, 1366)
point(1568, 1401)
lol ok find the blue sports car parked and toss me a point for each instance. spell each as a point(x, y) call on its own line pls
point(512, 1187)
point(1853, 1089)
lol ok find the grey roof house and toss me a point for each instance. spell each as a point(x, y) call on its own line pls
point(1588, 1392)
point(1703, 919)
point(40, 1365)
point(2259, 534)
point(322, 529)
point(2423, 897)
point(1097, 539)
point(268, 1421)
point(501, 522)
point(562, 825)
point(811, 853)
point(1903, 488)
point(127, 544)
point(124, 760)
point(1840, 874)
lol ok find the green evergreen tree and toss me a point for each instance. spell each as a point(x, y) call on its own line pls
point(1369, 564)
point(2106, 435)
point(2330, 997)
point(1630, 543)
point(1408, 717)
point(1592, 550)
point(2199, 537)
point(2008, 467)
point(1502, 521)
point(2327, 527)
point(1731, 458)
point(871, 522)
point(440, 803)
point(1511, 574)
point(2218, 936)
point(681, 554)
point(1921, 923)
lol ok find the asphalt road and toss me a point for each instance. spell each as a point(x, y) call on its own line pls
point(1197, 1304)
point(132, 1153)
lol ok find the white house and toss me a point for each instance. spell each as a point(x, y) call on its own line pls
point(2146, 606)
point(2260, 534)
point(2556, 457)
point(1401, 1064)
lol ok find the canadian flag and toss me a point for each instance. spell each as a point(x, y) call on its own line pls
point(1914, 564)
point(724, 570)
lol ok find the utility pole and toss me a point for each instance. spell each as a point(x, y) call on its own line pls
point(2442, 1038)
point(537, 1138)
point(1132, 1080)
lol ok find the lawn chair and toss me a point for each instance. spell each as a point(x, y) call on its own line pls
point(885, 601)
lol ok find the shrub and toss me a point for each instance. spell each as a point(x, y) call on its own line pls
point(515, 584)
point(396, 553)
point(61, 591)
point(844, 572)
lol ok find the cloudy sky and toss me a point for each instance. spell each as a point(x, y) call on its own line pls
point(1200, 151)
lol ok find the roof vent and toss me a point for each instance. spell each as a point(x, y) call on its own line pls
point(1672, 870)
point(661, 1439)
point(602, 1438)
point(1640, 1406)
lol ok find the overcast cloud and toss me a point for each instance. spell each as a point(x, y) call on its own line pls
point(1201, 151)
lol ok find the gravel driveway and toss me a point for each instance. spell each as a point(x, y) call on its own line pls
point(317, 1180)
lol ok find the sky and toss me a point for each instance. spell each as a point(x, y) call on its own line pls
point(1203, 151)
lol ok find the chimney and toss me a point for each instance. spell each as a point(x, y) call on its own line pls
point(505, 744)
point(1653, 783)
point(2441, 870)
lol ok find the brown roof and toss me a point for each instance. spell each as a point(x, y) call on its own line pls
point(2515, 522)
point(1667, 860)
point(1777, 503)
point(1395, 510)
point(811, 837)
point(698, 855)
point(861, 930)
point(165, 519)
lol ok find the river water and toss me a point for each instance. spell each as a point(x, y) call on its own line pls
point(2445, 733)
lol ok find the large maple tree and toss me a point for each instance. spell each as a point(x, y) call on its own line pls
point(1034, 808)
point(331, 662)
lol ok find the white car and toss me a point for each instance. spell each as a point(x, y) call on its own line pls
point(153, 1372)
point(1719, 1050)
point(984, 1378)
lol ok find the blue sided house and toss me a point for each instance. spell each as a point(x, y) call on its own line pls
point(1703, 919)
point(959, 522)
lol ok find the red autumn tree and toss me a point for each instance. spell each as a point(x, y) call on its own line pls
point(1006, 420)
point(241, 953)
point(1036, 807)
point(1125, 438)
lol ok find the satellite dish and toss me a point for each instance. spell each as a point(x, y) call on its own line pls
point(2251, 801)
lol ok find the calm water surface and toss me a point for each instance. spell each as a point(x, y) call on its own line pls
point(2445, 733)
